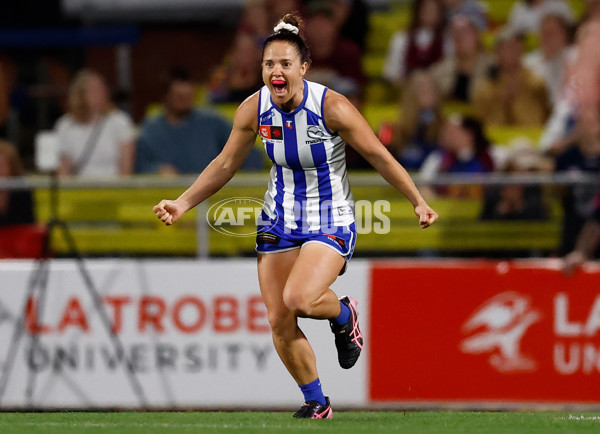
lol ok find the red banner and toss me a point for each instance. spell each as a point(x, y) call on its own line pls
point(491, 331)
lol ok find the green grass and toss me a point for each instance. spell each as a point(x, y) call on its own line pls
point(343, 422)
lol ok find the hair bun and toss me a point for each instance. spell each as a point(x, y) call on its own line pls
point(294, 20)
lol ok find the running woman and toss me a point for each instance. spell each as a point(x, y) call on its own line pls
point(308, 232)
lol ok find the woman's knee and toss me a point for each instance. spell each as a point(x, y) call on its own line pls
point(282, 322)
point(296, 301)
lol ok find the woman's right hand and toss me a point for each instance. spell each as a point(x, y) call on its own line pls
point(169, 211)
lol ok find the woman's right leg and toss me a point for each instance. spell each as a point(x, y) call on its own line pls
point(292, 346)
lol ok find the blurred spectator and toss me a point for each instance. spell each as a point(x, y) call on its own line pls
point(526, 15)
point(352, 17)
point(240, 75)
point(471, 9)
point(578, 200)
point(16, 206)
point(278, 8)
point(256, 20)
point(456, 73)
point(464, 149)
point(587, 242)
point(416, 134)
point(511, 94)
point(183, 139)
point(95, 138)
point(421, 47)
point(336, 62)
point(517, 202)
point(550, 60)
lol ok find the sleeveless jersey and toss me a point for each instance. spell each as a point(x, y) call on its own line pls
point(309, 185)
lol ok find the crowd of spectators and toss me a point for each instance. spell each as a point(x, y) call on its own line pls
point(527, 72)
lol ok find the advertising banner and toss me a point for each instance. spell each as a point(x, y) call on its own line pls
point(193, 334)
point(484, 331)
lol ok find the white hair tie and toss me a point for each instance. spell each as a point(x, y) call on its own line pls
point(285, 26)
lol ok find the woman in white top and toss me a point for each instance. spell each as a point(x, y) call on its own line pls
point(95, 138)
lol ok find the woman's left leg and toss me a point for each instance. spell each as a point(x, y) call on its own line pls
point(306, 291)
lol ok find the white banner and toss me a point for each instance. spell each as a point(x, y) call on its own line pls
point(195, 333)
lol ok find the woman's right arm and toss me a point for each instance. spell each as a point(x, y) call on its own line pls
point(221, 169)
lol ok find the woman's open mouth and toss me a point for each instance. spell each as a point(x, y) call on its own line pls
point(279, 86)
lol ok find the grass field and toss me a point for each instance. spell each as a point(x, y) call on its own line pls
point(446, 422)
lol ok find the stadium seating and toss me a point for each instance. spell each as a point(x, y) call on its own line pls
point(120, 221)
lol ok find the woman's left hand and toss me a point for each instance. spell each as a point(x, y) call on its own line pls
point(427, 216)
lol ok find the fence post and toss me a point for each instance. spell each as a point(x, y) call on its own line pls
point(202, 232)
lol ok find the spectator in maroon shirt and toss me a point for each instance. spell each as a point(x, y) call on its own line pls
point(336, 61)
point(421, 47)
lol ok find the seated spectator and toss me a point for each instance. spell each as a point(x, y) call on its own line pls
point(517, 202)
point(464, 149)
point(511, 94)
point(471, 9)
point(416, 134)
point(184, 139)
point(587, 243)
point(95, 138)
point(336, 62)
point(456, 73)
point(278, 8)
point(421, 47)
point(256, 21)
point(239, 76)
point(16, 206)
point(550, 60)
point(584, 158)
point(352, 17)
point(526, 15)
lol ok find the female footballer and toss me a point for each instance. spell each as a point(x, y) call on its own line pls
point(307, 232)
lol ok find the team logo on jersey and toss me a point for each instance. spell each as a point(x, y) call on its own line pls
point(270, 132)
point(289, 124)
point(315, 134)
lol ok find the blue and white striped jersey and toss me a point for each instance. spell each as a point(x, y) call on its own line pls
point(309, 185)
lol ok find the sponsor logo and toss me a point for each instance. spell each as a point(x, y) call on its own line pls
point(339, 241)
point(270, 132)
point(497, 327)
point(289, 124)
point(239, 217)
point(266, 117)
point(315, 132)
point(344, 210)
point(267, 238)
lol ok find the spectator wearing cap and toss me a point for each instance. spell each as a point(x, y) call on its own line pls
point(510, 94)
point(456, 73)
point(516, 201)
point(471, 9)
point(526, 15)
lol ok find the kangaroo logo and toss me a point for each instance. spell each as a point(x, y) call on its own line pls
point(499, 325)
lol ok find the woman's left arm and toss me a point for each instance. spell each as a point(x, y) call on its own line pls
point(342, 117)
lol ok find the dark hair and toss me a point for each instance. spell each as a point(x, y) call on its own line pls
point(176, 74)
point(475, 127)
point(297, 40)
point(415, 20)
